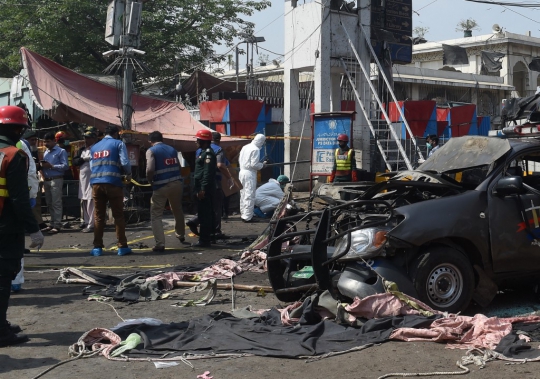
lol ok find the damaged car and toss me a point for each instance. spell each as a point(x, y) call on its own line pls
point(462, 225)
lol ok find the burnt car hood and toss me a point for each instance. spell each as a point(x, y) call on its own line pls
point(461, 153)
point(409, 179)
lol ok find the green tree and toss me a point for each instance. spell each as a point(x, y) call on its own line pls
point(176, 34)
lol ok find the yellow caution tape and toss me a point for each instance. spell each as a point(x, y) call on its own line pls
point(135, 182)
point(139, 184)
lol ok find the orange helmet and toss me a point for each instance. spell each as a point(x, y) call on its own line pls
point(59, 135)
point(12, 115)
point(204, 135)
point(343, 137)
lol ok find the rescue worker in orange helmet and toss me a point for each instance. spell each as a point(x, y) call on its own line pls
point(16, 216)
point(344, 169)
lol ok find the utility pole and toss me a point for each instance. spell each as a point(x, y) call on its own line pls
point(122, 30)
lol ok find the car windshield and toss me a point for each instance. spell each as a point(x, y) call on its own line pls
point(462, 154)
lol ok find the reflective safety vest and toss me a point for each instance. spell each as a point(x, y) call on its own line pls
point(106, 167)
point(343, 162)
point(6, 156)
point(167, 168)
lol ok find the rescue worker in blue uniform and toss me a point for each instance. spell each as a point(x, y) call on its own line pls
point(16, 216)
point(163, 172)
point(204, 186)
point(344, 169)
point(110, 165)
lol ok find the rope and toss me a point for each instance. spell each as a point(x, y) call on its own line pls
point(82, 352)
point(332, 354)
point(110, 305)
point(409, 374)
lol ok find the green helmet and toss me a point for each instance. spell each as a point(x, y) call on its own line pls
point(283, 179)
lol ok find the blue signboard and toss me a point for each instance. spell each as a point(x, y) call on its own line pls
point(395, 16)
point(325, 133)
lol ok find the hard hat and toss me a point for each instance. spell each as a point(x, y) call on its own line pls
point(60, 135)
point(283, 179)
point(12, 115)
point(204, 135)
point(343, 137)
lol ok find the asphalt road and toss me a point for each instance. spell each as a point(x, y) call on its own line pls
point(55, 315)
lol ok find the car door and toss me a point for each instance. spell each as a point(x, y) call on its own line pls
point(515, 219)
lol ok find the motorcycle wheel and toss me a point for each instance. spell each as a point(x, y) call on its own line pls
point(444, 279)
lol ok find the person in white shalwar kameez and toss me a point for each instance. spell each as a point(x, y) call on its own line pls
point(85, 189)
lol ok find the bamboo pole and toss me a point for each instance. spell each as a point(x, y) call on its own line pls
point(227, 286)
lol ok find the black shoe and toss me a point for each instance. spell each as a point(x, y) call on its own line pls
point(158, 249)
point(220, 236)
point(14, 327)
point(252, 220)
point(82, 226)
point(201, 244)
point(225, 216)
point(8, 338)
point(193, 227)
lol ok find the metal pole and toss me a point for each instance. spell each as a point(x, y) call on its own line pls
point(128, 72)
point(237, 64)
point(128, 90)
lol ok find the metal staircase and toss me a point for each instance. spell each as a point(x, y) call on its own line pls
point(396, 151)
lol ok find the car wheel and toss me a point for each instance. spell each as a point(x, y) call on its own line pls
point(444, 279)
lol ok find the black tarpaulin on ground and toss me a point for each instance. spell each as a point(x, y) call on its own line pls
point(491, 61)
point(454, 55)
point(222, 333)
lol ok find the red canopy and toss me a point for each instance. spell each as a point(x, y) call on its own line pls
point(70, 97)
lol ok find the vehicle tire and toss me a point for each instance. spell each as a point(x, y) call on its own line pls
point(444, 279)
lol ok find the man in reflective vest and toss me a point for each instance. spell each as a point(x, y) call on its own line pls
point(344, 169)
point(15, 214)
point(163, 172)
point(110, 165)
point(204, 186)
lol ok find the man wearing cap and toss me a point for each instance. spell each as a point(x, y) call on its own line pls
point(110, 165)
point(82, 160)
point(204, 186)
point(268, 196)
point(54, 164)
point(163, 173)
point(222, 171)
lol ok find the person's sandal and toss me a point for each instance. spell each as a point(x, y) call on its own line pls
point(53, 231)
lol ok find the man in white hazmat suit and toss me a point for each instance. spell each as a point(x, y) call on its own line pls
point(250, 163)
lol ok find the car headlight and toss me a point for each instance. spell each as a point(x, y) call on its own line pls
point(365, 243)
